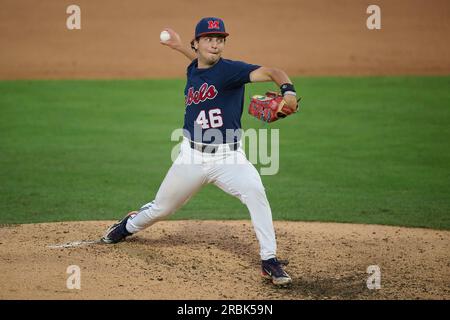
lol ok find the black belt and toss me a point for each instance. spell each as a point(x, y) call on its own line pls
point(212, 148)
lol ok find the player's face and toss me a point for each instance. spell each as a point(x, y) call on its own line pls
point(209, 49)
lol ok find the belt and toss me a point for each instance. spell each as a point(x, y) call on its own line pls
point(212, 148)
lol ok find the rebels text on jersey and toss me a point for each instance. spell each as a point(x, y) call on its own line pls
point(214, 100)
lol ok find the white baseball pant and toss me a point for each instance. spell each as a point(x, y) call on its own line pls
point(227, 169)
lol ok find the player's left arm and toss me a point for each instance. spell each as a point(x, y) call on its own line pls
point(264, 74)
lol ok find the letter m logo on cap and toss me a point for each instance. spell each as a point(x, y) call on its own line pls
point(212, 24)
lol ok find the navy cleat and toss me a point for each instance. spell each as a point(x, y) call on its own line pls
point(118, 231)
point(273, 269)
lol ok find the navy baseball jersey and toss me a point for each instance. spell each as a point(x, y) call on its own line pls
point(214, 99)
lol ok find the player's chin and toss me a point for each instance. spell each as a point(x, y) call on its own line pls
point(213, 57)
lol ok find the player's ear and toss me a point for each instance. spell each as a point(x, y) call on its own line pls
point(194, 45)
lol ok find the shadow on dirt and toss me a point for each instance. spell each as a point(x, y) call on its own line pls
point(349, 287)
point(221, 236)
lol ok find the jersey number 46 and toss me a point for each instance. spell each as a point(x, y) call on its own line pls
point(215, 119)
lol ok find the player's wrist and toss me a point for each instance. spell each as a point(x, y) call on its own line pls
point(288, 89)
point(178, 47)
point(290, 93)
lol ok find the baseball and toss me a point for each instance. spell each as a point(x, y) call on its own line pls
point(164, 36)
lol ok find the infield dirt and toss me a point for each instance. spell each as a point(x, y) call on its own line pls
point(219, 260)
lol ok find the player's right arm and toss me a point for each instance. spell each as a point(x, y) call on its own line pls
point(175, 43)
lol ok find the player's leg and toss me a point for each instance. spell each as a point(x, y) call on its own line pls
point(180, 184)
point(243, 181)
point(182, 181)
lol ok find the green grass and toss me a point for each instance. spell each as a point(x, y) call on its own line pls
point(366, 150)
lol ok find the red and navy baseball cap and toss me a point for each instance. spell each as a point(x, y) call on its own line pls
point(210, 25)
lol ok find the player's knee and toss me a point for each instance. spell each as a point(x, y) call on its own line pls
point(254, 190)
point(258, 191)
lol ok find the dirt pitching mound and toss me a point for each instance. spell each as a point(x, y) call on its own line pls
point(219, 260)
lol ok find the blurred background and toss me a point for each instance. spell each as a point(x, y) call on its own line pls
point(120, 39)
point(86, 115)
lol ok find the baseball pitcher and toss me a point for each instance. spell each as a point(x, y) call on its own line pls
point(214, 102)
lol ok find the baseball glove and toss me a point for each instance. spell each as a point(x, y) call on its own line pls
point(270, 107)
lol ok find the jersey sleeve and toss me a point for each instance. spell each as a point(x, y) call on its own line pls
point(238, 73)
